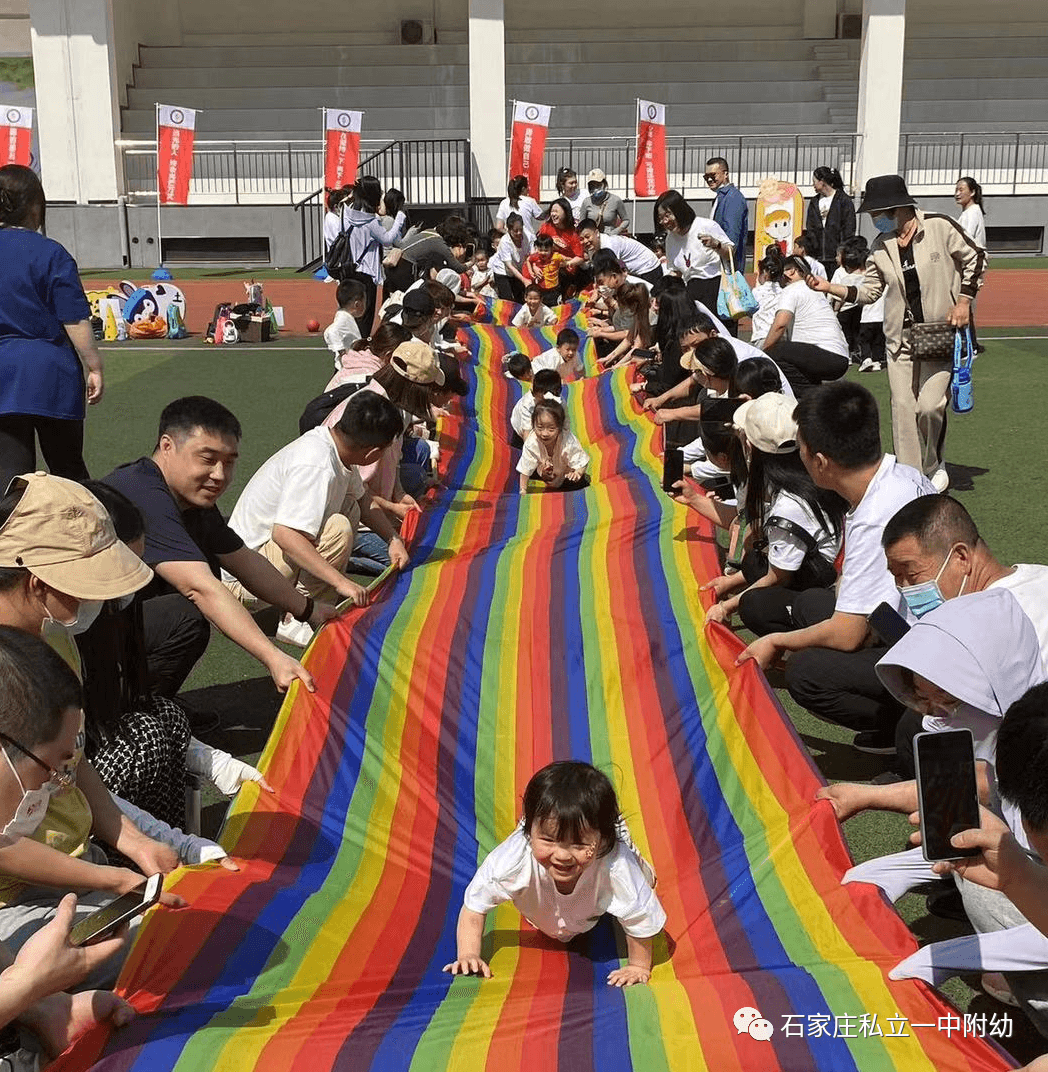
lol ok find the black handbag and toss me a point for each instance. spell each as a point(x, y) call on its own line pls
point(932, 342)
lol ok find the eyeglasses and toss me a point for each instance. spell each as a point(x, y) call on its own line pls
point(62, 779)
point(711, 176)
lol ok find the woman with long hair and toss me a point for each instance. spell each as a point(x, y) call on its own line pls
point(568, 188)
point(831, 217)
point(49, 363)
point(518, 200)
point(560, 226)
point(634, 301)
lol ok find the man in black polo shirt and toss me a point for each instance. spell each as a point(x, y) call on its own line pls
point(188, 542)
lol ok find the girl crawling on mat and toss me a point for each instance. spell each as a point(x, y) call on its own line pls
point(568, 862)
point(551, 453)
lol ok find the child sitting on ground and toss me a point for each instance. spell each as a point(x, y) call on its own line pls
point(546, 384)
point(533, 314)
point(568, 862)
point(551, 453)
point(343, 332)
point(561, 358)
point(543, 266)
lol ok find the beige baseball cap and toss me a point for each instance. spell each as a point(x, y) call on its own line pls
point(596, 175)
point(415, 361)
point(768, 423)
point(62, 534)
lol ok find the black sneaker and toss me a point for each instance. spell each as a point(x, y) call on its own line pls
point(876, 742)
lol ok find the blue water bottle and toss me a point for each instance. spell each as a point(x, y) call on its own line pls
point(962, 399)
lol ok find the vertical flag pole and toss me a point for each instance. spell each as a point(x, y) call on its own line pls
point(159, 239)
point(636, 149)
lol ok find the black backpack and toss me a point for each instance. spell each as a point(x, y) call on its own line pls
point(340, 262)
point(316, 412)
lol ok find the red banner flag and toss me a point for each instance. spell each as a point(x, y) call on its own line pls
point(649, 177)
point(16, 136)
point(175, 129)
point(530, 122)
point(341, 147)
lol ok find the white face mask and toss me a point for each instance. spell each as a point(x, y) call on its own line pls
point(86, 614)
point(31, 808)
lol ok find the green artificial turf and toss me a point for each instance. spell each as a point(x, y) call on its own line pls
point(998, 465)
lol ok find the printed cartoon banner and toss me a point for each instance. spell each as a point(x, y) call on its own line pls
point(530, 123)
point(16, 136)
point(341, 146)
point(649, 177)
point(175, 129)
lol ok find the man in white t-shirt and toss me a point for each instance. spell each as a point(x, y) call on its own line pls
point(934, 542)
point(301, 508)
point(634, 256)
point(831, 668)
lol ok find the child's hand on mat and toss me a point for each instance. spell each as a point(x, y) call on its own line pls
point(629, 976)
point(846, 799)
point(468, 966)
point(573, 476)
point(718, 586)
point(718, 613)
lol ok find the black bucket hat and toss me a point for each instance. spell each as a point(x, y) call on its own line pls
point(885, 192)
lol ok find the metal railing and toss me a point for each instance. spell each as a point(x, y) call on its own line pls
point(1002, 163)
point(752, 157)
point(430, 171)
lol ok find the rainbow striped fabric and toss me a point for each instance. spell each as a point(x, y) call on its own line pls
point(530, 628)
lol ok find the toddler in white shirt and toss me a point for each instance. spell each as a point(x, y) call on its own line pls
point(568, 862)
point(551, 453)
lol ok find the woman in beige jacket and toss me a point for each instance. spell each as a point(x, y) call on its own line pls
point(929, 271)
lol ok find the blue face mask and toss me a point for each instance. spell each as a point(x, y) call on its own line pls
point(884, 224)
point(923, 598)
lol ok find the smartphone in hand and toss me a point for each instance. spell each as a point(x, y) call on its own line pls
point(672, 468)
point(111, 917)
point(947, 791)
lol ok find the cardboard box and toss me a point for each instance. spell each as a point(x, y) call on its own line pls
point(257, 329)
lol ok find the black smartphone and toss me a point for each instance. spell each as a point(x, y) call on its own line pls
point(888, 623)
point(672, 468)
point(947, 792)
point(719, 410)
point(111, 917)
point(721, 486)
point(643, 355)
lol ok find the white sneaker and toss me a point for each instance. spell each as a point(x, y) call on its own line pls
point(867, 364)
point(297, 633)
point(940, 479)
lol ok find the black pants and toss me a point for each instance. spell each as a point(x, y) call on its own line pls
point(838, 686)
point(806, 366)
point(705, 291)
point(61, 443)
point(909, 726)
point(849, 322)
point(509, 288)
point(653, 276)
point(871, 341)
point(176, 636)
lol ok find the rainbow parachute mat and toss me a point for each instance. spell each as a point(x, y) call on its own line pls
point(530, 628)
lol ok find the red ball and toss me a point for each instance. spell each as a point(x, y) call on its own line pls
point(312, 325)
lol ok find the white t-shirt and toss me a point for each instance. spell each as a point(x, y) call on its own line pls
point(542, 319)
point(824, 206)
point(477, 277)
point(814, 322)
point(688, 256)
point(576, 203)
point(529, 210)
point(865, 580)
point(635, 256)
point(1029, 585)
point(548, 359)
point(974, 224)
point(340, 335)
point(566, 454)
point(520, 418)
point(786, 551)
point(507, 253)
point(300, 487)
point(614, 884)
point(767, 295)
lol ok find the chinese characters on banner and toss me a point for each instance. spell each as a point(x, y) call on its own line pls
point(530, 122)
point(174, 155)
point(16, 136)
point(341, 147)
point(649, 178)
